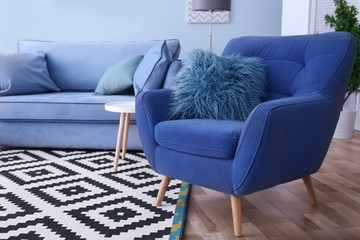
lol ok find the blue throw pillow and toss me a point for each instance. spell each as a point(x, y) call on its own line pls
point(152, 70)
point(215, 87)
point(119, 77)
point(24, 73)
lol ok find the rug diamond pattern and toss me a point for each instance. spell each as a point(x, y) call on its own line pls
point(59, 194)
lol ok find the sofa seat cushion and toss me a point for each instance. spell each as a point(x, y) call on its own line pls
point(205, 137)
point(60, 106)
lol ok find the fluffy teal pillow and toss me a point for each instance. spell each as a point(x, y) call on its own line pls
point(119, 77)
point(216, 87)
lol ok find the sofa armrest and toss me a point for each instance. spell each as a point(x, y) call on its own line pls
point(151, 108)
point(283, 140)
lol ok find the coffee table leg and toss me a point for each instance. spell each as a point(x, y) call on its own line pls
point(118, 142)
point(126, 133)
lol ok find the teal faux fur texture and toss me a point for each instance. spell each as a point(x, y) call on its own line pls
point(218, 87)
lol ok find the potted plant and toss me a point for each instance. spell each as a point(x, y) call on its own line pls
point(345, 19)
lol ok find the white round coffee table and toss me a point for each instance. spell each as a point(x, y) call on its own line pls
point(125, 108)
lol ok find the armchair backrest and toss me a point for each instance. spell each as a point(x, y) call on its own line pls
point(300, 65)
point(287, 138)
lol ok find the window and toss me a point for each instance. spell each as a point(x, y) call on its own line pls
point(308, 16)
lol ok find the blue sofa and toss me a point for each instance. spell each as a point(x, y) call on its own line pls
point(74, 117)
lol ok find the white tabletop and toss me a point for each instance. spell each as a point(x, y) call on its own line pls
point(123, 106)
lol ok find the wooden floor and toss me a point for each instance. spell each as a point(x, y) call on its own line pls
point(285, 211)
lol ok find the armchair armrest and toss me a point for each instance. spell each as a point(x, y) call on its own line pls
point(283, 140)
point(151, 108)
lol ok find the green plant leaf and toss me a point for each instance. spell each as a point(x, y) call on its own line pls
point(345, 19)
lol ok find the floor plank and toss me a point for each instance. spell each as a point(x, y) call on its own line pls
point(285, 211)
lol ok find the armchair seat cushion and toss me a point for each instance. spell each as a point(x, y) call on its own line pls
point(205, 137)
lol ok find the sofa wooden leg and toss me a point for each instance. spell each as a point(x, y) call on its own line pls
point(236, 213)
point(163, 186)
point(310, 189)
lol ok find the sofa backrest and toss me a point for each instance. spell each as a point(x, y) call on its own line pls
point(79, 66)
point(299, 65)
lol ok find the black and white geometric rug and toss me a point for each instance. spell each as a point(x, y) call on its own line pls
point(54, 194)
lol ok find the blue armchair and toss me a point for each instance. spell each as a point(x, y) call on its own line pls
point(285, 138)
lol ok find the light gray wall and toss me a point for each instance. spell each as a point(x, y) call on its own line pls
point(127, 20)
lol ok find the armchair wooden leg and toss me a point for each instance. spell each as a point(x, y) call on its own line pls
point(310, 189)
point(236, 213)
point(163, 186)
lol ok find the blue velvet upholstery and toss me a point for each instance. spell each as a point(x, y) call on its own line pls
point(284, 138)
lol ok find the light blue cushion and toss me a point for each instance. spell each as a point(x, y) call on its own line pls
point(215, 87)
point(119, 77)
point(24, 73)
point(152, 70)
